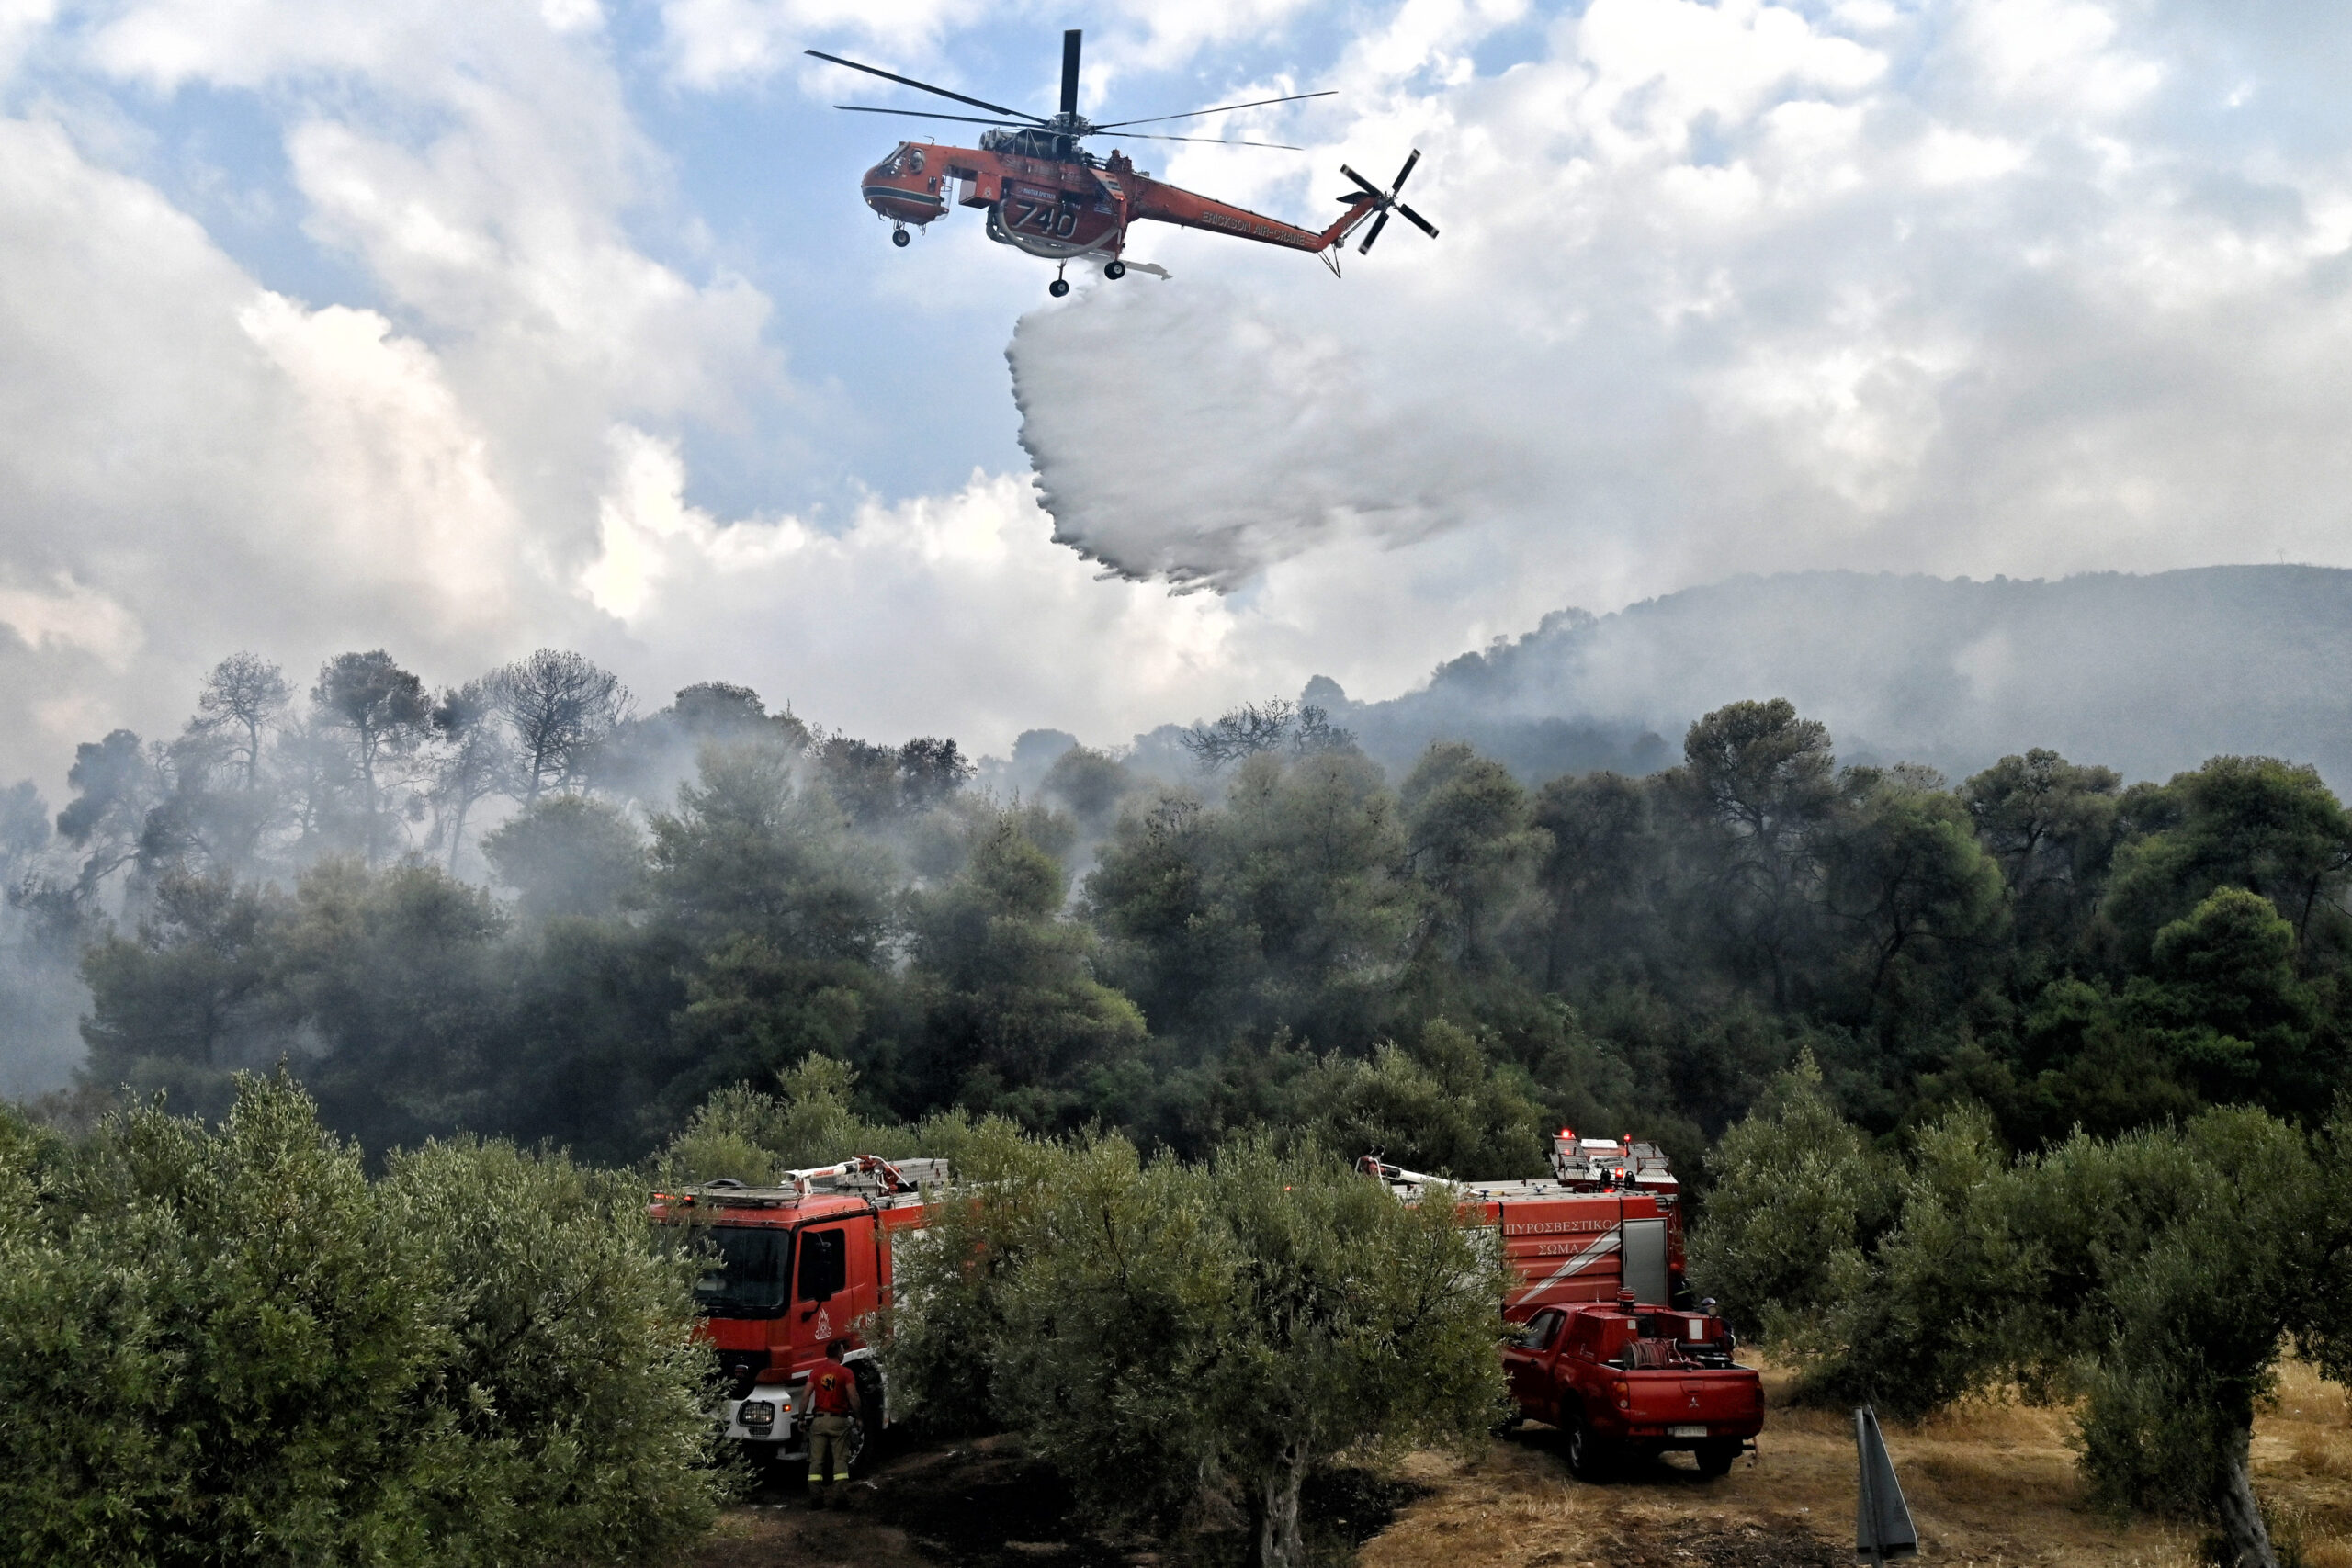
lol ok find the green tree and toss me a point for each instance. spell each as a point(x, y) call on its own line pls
point(2157, 1276)
point(1158, 1331)
point(1469, 841)
point(1603, 853)
point(1908, 875)
point(230, 1346)
point(1091, 783)
point(2050, 824)
point(1007, 989)
point(567, 854)
point(192, 995)
point(2252, 822)
point(1797, 1199)
point(1441, 1108)
point(382, 714)
point(749, 853)
point(1762, 781)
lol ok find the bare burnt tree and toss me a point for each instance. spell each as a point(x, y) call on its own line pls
point(559, 706)
point(1313, 731)
point(381, 713)
point(1239, 732)
point(471, 758)
point(242, 697)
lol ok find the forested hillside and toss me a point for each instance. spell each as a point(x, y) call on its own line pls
point(1437, 962)
point(2149, 674)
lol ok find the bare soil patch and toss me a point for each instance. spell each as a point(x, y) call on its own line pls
point(1992, 1486)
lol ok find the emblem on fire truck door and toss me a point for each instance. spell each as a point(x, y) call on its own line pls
point(825, 1327)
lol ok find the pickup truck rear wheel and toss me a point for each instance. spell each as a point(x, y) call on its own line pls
point(1588, 1455)
point(1715, 1459)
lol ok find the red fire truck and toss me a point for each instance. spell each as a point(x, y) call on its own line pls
point(796, 1267)
point(1608, 1220)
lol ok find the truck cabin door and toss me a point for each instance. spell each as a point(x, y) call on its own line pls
point(1526, 1360)
point(820, 1287)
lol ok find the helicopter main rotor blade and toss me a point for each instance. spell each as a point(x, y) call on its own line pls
point(1417, 221)
point(1405, 172)
point(925, 86)
point(1225, 108)
point(1211, 141)
point(1377, 225)
point(1369, 188)
point(931, 114)
point(1069, 70)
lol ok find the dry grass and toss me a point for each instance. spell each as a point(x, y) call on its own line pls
point(1991, 1485)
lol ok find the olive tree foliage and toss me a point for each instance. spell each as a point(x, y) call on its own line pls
point(2154, 1278)
point(230, 1345)
point(1181, 1339)
point(1442, 1106)
point(1797, 1196)
point(812, 1118)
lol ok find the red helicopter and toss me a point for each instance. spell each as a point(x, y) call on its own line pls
point(1046, 195)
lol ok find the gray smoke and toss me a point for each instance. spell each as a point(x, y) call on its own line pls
point(2150, 676)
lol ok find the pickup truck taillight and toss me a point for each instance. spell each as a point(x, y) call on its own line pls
point(1624, 1395)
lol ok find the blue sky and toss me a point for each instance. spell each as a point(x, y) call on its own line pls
point(464, 328)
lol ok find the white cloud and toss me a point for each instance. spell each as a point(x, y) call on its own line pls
point(953, 615)
point(193, 464)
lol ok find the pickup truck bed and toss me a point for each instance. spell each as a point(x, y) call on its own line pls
point(1622, 1380)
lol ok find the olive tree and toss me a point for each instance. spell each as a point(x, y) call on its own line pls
point(2154, 1279)
point(231, 1344)
point(1168, 1334)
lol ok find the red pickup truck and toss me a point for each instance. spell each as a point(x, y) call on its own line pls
point(1620, 1379)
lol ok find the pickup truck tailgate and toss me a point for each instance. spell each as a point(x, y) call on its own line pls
point(1728, 1399)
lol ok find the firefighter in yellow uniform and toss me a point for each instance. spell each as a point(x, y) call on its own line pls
point(832, 1403)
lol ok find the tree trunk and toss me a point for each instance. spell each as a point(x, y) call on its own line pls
point(1279, 1543)
point(458, 830)
point(2246, 1538)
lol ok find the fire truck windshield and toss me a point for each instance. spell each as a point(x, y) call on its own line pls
point(748, 1276)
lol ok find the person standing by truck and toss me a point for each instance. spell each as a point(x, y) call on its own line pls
point(833, 1405)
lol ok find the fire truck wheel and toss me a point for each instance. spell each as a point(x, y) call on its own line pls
point(1715, 1459)
point(1588, 1456)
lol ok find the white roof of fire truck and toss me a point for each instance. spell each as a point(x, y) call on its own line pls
point(1581, 1167)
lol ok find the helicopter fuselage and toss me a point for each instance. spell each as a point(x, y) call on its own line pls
point(1044, 197)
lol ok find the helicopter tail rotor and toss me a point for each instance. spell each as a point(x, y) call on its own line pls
point(1384, 202)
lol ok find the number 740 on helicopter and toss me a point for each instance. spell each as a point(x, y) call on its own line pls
point(1044, 194)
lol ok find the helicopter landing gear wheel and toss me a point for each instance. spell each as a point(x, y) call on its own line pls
point(1116, 270)
point(899, 237)
point(1058, 287)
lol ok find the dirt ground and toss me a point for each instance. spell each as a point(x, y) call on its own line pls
point(1990, 1486)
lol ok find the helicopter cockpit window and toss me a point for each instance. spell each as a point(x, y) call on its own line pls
point(914, 160)
point(897, 160)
